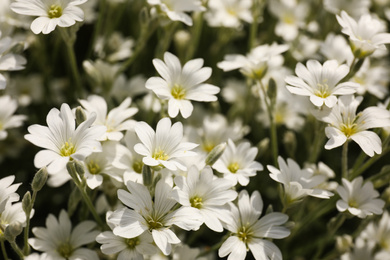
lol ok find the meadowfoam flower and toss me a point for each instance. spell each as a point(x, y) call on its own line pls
point(163, 147)
point(249, 233)
point(345, 124)
point(50, 13)
point(180, 85)
point(359, 199)
point(202, 191)
point(7, 191)
point(116, 120)
point(229, 13)
point(126, 248)
point(298, 183)
point(59, 241)
point(237, 163)
point(320, 82)
point(366, 35)
point(7, 118)
point(175, 9)
point(155, 216)
point(62, 140)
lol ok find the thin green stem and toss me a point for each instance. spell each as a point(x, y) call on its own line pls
point(26, 247)
point(368, 163)
point(74, 69)
point(16, 248)
point(166, 39)
point(98, 27)
point(344, 161)
point(254, 24)
point(3, 250)
point(196, 33)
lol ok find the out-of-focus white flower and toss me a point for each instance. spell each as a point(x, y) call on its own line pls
point(102, 75)
point(115, 121)
point(7, 118)
point(35, 256)
point(50, 13)
point(251, 233)
point(63, 141)
point(163, 147)
point(291, 15)
point(7, 191)
point(26, 89)
point(175, 9)
point(345, 124)
point(89, 9)
point(132, 87)
point(321, 82)
point(359, 199)
point(114, 48)
point(356, 8)
point(256, 63)
point(335, 47)
point(298, 183)
point(181, 85)
point(324, 170)
point(366, 35)
point(378, 234)
point(206, 193)
point(8, 60)
point(155, 216)
point(12, 214)
point(361, 251)
point(304, 48)
point(128, 248)
point(229, 13)
point(237, 163)
point(59, 241)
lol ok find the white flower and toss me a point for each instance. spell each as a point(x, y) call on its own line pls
point(202, 191)
point(335, 47)
point(356, 8)
point(8, 60)
point(128, 248)
point(102, 75)
point(163, 147)
point(114, 48)
point(361, 251)
point(180, 85)
point(175, 9)
point(256, 63)
point(156, 216)
point(237, 163)
point(12, 214)
point(250, 233)
point(116, 120)
point(62, 140)
point(7, 191)
point(298, 183)
point(344, 124)
point(379, 234)
point(359, 199)
point(229, 13)
point(51, 13)
point(320, 82)
point(366, 35)
point(7, 117)
point(60, 242)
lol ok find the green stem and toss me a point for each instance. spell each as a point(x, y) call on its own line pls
point(3, 250)
point(368, 163)
point(319, 138)
point(196, 33)
point(98, 27)
point(17, 249)
point(344, 161)
point(26, 247)
point(166, 40)
point(254, 25)
point(74, 69)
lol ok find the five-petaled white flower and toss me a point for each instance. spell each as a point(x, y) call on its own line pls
point(203, 191)
point(359, 199)
point(344, 124)
point(63, 13)
point(7, 117)
point(229, 13)
point(366, 35)
point(250, 233)
point(320, 82)
point(62, 140)
point(163, 147)
point(155, 216)
point(60, 242)
point(180, 85)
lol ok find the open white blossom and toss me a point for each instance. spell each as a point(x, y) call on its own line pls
point(163, 147)
point(7, 191)
point(59, 241)
point(321, 82)
point(181, 85)
point(356, 8)
point(379, 233)
point(7, 118)
point(50, 13)
point(336, 47)
point(359, 199)
point(12, 214)
point(229, 13)
point(249, 233)
point(345, 124)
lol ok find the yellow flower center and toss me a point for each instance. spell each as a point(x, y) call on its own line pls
point(67, 149)
point(132, 242)
point(137, 166)
point(208, 146)
point(288, 18)
point(196, 202)
point(55, 11)
point(160, 154)
point(93, 167)
point(65, 250)
point(322, 90)
point(244, 234)
point(178, 92)
point(154, 224)
point(233, 167)
point(353, 204)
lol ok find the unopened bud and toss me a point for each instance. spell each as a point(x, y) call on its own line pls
point(26, 203)
point(263, 146)
point(79, 168)
point(272, 91)
point(39, 179)
point(270, 209)
point(80, 116)
point(147, 175)
point(290, 143)
point(214, 155)
point(70, 167)
point(12, 231)
point(144, 18)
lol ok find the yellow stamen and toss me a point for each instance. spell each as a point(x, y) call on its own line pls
point(178, 92)
point(55, 11)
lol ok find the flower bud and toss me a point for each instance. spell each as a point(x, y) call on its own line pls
point(272, 91)
point(26, 203)
point(39, 180)
point(79, 168)
point(80, 116)
point(214, 155)
point(263, 146)
point(12, 231)
point(147, 175)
